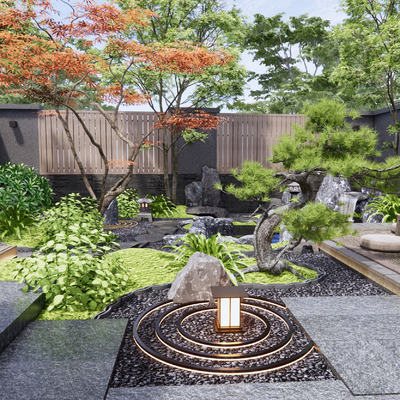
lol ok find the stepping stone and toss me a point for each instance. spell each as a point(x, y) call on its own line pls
point(387, 243)
point(63, 360)
point(17, 309)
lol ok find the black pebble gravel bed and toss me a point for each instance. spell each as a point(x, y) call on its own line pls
point(134, 368)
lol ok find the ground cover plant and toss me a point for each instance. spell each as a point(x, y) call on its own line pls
point(73, 279)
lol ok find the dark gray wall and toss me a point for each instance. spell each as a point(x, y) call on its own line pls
point(379, 120)
point(20, 144)
point(63, 185)
point(194, 157)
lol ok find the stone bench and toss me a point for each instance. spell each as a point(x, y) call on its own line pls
point(385, 243)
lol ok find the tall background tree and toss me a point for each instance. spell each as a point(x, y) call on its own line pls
point(370, 57)
point(298, 56)
point(192, 21)
point(50, 71)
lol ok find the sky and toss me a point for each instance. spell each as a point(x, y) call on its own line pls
point(327, 10)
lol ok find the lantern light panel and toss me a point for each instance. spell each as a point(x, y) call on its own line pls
point(228, 309)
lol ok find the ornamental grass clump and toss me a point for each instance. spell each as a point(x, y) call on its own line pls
point(388, 206)
point(161, 206)
point(72, 279)
point(226, 252)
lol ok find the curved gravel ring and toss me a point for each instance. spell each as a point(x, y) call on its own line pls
point(225, 345)
point(230, 357)
point(210, 370)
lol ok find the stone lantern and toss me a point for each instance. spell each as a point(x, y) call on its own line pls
point(144, 210)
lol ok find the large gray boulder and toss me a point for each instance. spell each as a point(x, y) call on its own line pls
point(330, 191)
point(211, 196)
point(194, 194)
point(194, 281)
point(111, 214)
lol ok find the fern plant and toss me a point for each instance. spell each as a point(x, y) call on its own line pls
point(161, 206)
point(226, 252)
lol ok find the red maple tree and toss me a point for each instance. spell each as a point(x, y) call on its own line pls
point(48, 70)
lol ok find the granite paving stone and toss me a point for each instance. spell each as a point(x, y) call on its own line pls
point(326, 390)
point(17, 309)
point(77, 358)
point(360, 337)
point(366, 366)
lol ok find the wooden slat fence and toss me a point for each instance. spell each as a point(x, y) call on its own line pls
point(251, 137)
point(56, 156)
point(242, 137)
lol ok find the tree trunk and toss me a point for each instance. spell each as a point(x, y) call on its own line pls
point(175, 170)
point(264, 231)
point(166, 152)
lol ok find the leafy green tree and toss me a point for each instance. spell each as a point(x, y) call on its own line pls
point(370, 57)
point(325, 145)
point(284, 49)
point(193, 21)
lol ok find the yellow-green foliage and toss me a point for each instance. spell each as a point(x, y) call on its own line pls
point(317, 222)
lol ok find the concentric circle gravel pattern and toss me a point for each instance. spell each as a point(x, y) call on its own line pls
point(237, 353)
point(134, 368)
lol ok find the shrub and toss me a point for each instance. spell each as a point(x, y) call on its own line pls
point(127, 205)
point(388, 206)
point(79, 282)
point(161, 206)
point(21, 185)
point(226, 252)
point(68, 211)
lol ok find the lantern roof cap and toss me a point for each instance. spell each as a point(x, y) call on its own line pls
point(228, 291)
point(144, 200)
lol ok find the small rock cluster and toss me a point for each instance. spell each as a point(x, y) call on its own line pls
point(207, 226)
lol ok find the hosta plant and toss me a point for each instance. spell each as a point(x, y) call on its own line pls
point(161, 206)
point(128, 207)
point(13, 220)
point(388, 206)
point(226, 252)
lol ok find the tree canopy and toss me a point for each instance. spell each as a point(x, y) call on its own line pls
point(370, 57)
point(298, 56)
point(63, 68)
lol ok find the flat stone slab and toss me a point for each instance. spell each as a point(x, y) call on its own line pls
point(358, 335)
point(386, 243)
point(17, 309)
point(61, 360)
point(329, 390)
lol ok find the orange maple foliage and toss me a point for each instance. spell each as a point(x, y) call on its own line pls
point(45, 69)
point(178, 120)
point(28, 59)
